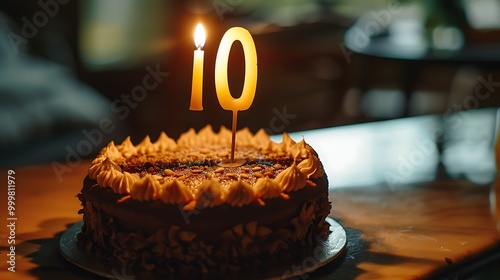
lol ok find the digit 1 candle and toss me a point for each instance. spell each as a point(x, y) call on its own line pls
point(197, 84)
point(224, 96)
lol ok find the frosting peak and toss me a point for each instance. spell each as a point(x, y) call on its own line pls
point(299, 150)
point(145, 146)
point(194, 150)
point(164, 142)
point(127, 148)
point(187, 138)
point(239, 194)
point(244, 136)
point(291, 179)
point(286, 142)
point(105, 177)
point(107, 164)
point(262, 140)
point(145, 189)
point(209, 194)
point(175, 192)
point(110, 151)
point(122, 184)
point(267, 188)
point(225, 136)
point(311, 167)
point(207, 135)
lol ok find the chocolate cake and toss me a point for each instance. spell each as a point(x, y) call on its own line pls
point(172, 206)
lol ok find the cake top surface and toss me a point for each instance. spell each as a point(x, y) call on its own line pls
point(189, 171)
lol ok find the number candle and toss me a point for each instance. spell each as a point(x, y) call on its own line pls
point(224, 96)
point(197, 85)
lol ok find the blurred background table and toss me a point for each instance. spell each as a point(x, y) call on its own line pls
point(412, 195)
point(434, 47)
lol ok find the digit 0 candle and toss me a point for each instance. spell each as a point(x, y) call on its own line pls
point(197, 84)
point(226, 100)
point(224, 96)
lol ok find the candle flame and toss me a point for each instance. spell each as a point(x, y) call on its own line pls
point(199, 36)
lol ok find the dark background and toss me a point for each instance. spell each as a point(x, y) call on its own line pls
point(62, 77)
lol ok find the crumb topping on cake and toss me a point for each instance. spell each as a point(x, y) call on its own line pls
point(187, 171)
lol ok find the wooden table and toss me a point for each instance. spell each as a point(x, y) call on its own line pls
point(430, 220)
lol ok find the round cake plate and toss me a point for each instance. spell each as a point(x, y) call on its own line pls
point(304, 262)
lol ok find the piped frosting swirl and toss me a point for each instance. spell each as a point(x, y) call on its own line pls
point(209, 194)
point(300, 158)
point(262, 141)
point(107, 164)
point(145, 146)
point(175, 192)
point(105, 177)
point(127, 148)
point(286, 143)
point(164, 142)
point(110, 151)
point(239, 194)
point(311, 167)
point(145, 189)
point(291, 179)
point(267, 188)
point(122, 184)
point(299, 150)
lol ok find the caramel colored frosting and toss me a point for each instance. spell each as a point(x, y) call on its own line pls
point(127, 148)
point(145, 146)
point(97, 168)
point(286, 143)
point(209, 194)
point(122, 184)
point(175, 192)
point(110, 151)
point(239, 194)
point(105, 177)
point(188, 170)
point(261, 141)
point(311, 167)
point(164, 143)
point(145, 189)
point(300, 150)
point(267, 188)
point(291, 179)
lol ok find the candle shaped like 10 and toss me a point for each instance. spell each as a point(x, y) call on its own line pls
point(226, 100)
point(197, 85)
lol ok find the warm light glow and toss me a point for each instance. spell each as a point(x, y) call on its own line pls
point(199, 36)
point(197, 85)
point(226, 100)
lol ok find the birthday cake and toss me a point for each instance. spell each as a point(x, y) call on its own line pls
point(170, 206)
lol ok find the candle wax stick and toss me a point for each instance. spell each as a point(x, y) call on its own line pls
point(232, 162)
point(226, 100)
point(197, 84)
point(233, 137)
